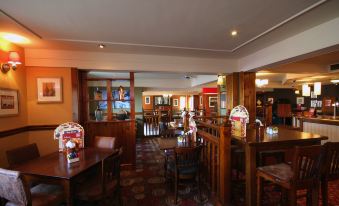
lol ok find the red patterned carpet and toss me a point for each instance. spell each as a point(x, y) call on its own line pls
point(146, 185)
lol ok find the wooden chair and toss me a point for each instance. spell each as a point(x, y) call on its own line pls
point(331, 168)
point(105, 185)
point(104, 142)
point(186, 166)
point(22, 154)
point(15, 190)
point(302, 174)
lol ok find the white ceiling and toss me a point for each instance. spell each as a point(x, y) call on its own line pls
point(156, 26)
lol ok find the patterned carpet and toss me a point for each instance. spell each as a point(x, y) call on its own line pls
point(146, 185)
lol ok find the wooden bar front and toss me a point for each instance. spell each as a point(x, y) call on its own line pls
point(122, 130)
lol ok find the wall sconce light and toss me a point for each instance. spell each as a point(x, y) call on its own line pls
point(12, 62)
point(221, 81)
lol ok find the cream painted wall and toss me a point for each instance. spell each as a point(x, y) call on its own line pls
point(49, 113)
point(13, 80)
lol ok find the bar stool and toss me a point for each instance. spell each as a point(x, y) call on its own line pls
point(302, 174)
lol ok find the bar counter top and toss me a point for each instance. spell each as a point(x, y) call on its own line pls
point(329, 120)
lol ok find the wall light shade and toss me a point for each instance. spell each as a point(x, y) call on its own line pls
point(306, 90)
point(14, 59)
point(317, 88)
point(220, 81)
point(297, 91)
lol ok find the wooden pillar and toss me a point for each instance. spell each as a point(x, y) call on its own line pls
point(232, 91)
point(247, 94)
point(225, 164)
point(240, 89)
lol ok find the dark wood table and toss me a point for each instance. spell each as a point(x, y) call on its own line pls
point(285, 139)
point(53, 168)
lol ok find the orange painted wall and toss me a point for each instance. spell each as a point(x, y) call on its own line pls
point(147, 106)
point(13, 80)
point(49, 113)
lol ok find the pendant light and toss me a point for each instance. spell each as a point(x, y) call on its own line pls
point(306, 90)
point(317, 88)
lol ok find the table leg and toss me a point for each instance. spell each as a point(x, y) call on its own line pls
point(251, 167)
point(68, 187)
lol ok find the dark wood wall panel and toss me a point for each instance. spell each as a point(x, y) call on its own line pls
point(123, 131)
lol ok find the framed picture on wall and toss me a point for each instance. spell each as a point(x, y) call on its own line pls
point(175, 102)
point(212, 101)
point(49, 90)
point(9, 102)
point(270, 100)
point(300, 100)
point(147, 100)
point(314, 103)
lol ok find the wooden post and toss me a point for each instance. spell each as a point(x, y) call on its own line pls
point(225, 164)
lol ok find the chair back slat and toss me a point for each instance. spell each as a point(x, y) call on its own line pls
point(187, 157)
point(22, 154)
point(306, 164)
point(332, 160)
point(13, 188)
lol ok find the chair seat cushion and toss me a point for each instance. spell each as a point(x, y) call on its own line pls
point(45, 195)
point(280, 172)
point(182, 171)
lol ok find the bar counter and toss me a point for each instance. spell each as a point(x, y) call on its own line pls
point(323, 125)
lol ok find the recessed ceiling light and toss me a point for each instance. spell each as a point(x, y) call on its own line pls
point(101, 46)
point(234, 33)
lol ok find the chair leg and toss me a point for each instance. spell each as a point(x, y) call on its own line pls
point(199, 188)
point(292, 197)
point(315, 196)
point(259, 190)
point(324, 192)
point(176, 189)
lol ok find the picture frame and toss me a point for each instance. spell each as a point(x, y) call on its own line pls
point(270, 100)
point(49, 90)
point(147, 100)
point(212, 101)
point(175, 102)
point(9, 102)
point(300, 100)
point(314, 103)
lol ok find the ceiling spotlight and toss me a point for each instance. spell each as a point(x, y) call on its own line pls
point(234, 33)
point(101, 46)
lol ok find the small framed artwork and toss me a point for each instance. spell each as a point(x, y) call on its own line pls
point(175, 102)
point(147, 100)
point(9, 102)
point(49, 90)
point(270, 100)
point(200, 100)
point(300, 100)
point(212, 101)
point(313, 96)
point(314, 103)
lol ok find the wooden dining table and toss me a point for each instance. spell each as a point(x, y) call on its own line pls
point(54, 169)
point(285, 139)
